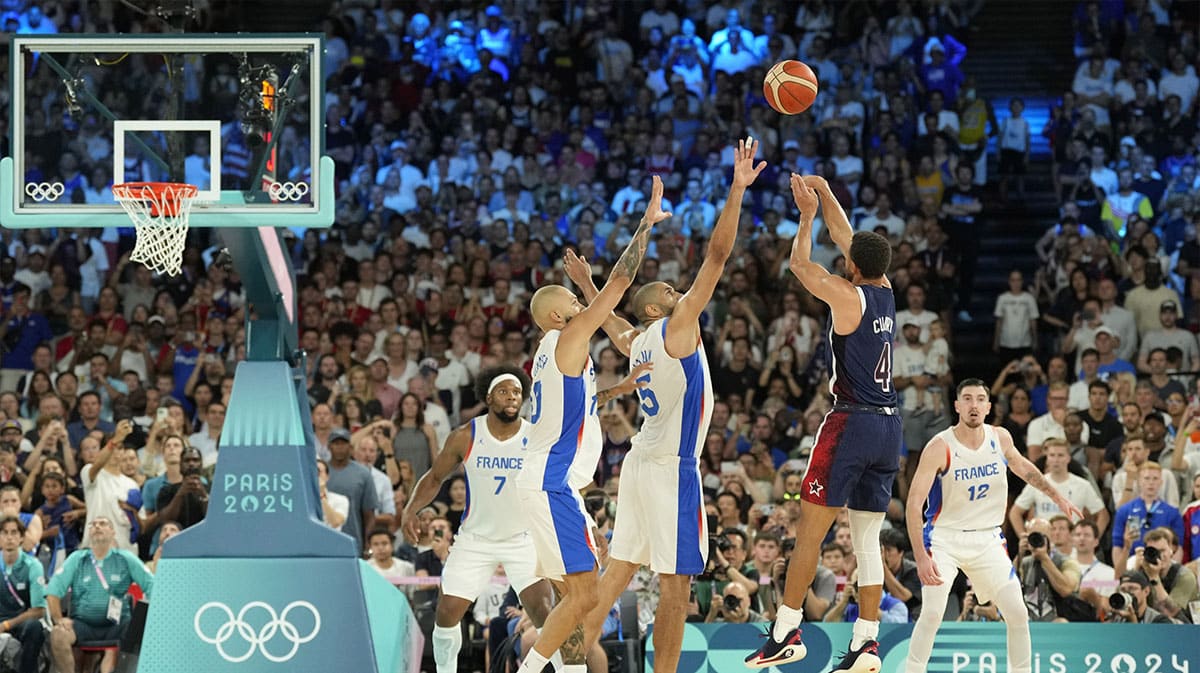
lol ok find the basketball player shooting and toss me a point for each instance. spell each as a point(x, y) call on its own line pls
point(660, 506)
point(491, 448)
point(857, 452)
point(963, 474)
point(566, 427)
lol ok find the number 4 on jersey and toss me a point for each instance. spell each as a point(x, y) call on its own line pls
point(883, 369)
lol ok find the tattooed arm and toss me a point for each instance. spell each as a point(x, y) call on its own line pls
point(572, 349)
point(629, 384)
point(1026, 470)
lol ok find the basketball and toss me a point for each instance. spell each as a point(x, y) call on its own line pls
point(790, 87)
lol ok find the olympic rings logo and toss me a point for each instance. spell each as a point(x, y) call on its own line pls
point(276, 625)
point(288, 191)
point(44, 191)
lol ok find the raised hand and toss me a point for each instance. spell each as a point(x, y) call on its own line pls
point(816, 182)
point(744, 170)
point(576, 268)
point(806, 199)
point(654, 212)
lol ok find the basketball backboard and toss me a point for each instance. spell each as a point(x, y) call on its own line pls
point(239, 116)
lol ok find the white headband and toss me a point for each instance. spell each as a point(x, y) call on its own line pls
point(501, 379)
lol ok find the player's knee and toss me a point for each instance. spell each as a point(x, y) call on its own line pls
point(448, 613)
point(864, 538)
point(675, 587)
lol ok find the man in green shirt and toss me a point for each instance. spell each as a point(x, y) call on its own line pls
point(98, 579)
point(23, 596)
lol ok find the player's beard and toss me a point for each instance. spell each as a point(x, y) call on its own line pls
point(505, 417)
point(972, 424)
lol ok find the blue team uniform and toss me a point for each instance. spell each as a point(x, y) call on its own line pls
point(857, 451)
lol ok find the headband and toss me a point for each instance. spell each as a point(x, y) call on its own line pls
point(501, 379)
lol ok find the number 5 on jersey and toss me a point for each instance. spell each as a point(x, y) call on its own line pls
point(649, 401)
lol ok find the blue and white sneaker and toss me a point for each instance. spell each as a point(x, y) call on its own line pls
point(775, 654)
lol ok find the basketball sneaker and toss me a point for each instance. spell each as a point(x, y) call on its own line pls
point(775, 654)
point(863, 660)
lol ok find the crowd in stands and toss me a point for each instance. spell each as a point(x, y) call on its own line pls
point(474, 144)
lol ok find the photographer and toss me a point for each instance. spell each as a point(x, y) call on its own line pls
point(973, 611)
point(726, 565)
point(1047, 577)
point(1171, 586)
point(1130, 605)
point(733, 608)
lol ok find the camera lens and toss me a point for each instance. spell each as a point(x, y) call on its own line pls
point(1151, 555)
point(1037, 540)
point(732, 603)
point(1120, 600)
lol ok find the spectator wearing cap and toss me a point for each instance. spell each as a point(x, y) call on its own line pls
point(494, 35)
point(21, 331)
point(1136, 585)
point(1168, 336)
point(410, 175)
point(1109, 364)
point(352, 480)
point(34, 274)
point(1146, 298)
point(1143, 505)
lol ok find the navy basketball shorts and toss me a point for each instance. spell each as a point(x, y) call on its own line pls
point(854, 461)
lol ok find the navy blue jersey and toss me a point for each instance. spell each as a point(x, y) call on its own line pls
point(862, 360)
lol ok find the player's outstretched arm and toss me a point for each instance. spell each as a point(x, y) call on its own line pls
point(835, 217)
point(632, 383)
point(836, 291)
point(690, 305)
point(618, 329)
point(934, 459)
point(572, 343)
point(426, 488)
point(1026, 470)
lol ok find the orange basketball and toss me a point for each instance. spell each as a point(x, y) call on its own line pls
point(790, 87)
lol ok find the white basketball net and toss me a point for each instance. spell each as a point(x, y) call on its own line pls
point(160, 214)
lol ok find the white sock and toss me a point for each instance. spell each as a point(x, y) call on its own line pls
point(447, 641)
point(556, 658)
point(863, 631)
point(534, 662)
point(786, 619)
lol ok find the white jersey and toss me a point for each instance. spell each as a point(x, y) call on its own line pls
point(565, 440)
point(972, 494)
point(678, 401)
point(493, 507)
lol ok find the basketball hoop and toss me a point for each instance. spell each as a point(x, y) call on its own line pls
point(159, 211)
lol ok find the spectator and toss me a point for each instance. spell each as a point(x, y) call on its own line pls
point(24, 605)
point(1136, 585)
point(900, 578)
point(1033, 504)
point(1172, 587)
point(1169, 335)
point(734, 607)
point(353, 481)
point(381, 543)
point(1016, 325)
point(99, 611)
point(1046, 575)
point(185, 502)
point(1142, 514)
point(106, 491)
